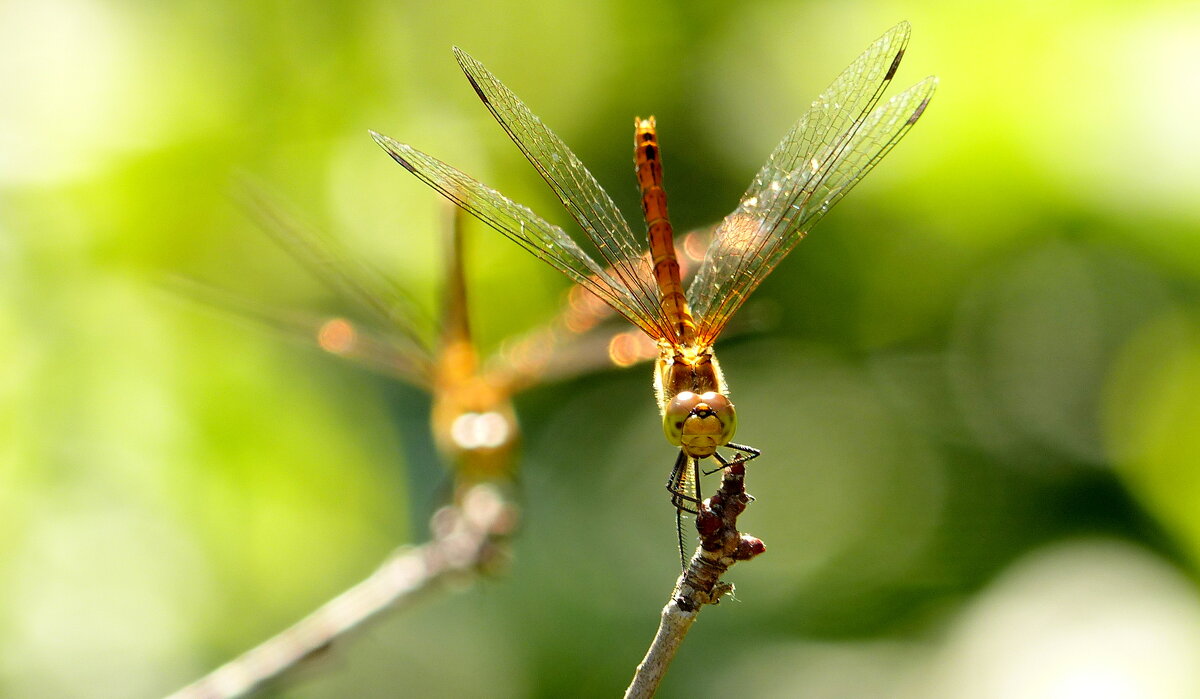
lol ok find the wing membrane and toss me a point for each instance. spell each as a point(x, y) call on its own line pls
point(581, 339)
point(822, 157)
point(518, 223)
point(879, 133)
point(577, 189)
point(374, 347)
point(373, 292)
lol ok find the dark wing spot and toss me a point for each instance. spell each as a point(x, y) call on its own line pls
point(919, 111)
point(478, 91)
point(895, 65)
point(407, 165)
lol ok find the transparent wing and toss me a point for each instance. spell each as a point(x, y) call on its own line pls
point(577, 189)
point(583, 311)
point(821, 158)
point(374, 348)
point(371, 291)
point(541, 238)
point(584, 338)
point(553, 353)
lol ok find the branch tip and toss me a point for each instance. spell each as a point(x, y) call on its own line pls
point(721, 545)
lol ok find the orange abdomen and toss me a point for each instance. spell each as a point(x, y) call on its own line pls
point(648, 161)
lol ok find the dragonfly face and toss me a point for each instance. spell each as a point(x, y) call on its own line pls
point(699, 423)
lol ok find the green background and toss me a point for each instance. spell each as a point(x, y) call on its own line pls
point(977, 390)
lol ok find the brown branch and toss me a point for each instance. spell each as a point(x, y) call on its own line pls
point(721, 545)
point(467, 539)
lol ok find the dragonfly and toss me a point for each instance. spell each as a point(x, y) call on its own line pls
point(842, 136)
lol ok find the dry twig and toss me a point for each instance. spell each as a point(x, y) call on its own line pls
point(467, 539)
point(721, 545)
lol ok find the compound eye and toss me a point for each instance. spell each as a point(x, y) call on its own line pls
point(677, 413)
point(723, 410)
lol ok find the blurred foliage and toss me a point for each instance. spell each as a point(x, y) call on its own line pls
point(978, 405)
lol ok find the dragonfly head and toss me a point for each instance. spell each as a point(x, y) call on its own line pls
point(699, 422)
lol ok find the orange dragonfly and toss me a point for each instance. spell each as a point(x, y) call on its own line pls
point(829, 150)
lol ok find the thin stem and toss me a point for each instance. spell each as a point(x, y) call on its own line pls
point(721, 545)
point(467, 539)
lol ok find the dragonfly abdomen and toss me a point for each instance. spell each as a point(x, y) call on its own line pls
point(648, 161)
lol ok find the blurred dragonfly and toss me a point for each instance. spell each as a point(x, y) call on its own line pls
point(829, 150)
point(473, 422)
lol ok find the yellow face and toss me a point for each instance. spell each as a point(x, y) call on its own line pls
point(699, 423)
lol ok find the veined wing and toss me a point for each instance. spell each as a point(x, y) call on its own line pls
point(541, 238)
point(358, 282)
point(821, 158)
point(584, 338)
point(376, 349)
point(584, 311)
point(580, 193)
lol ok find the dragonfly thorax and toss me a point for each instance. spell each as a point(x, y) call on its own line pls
point(682, 369)
point(699, 423)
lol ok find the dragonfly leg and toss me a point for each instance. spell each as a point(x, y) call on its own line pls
point(721, 460)
point(744, 454)
point(679, 532)
point(682, 500)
